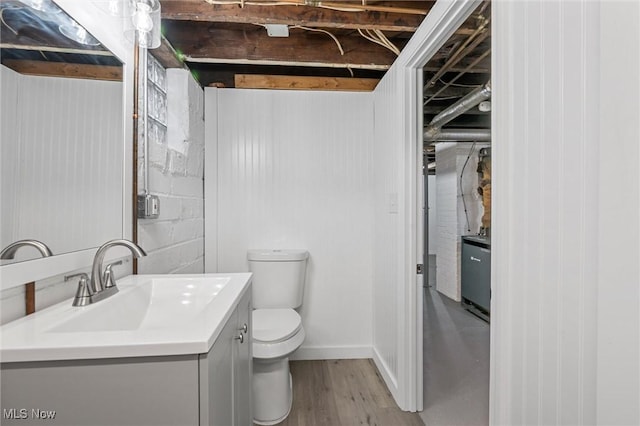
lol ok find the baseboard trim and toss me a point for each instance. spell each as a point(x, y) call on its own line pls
point(389, 380)
point(331, 352)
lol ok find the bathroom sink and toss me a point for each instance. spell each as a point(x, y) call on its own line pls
point(151, 315)
point(155, 303)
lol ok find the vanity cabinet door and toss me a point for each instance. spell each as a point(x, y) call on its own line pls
point(243, 367)
point(216, 378)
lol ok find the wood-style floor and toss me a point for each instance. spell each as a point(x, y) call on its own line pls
point(343, 393)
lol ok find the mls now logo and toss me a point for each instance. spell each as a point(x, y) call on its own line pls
point(36, 413)
point(15, 413)
point(23, 413)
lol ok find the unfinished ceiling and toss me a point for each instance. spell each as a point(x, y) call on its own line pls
point(339, 45)
point(226, 43)
point(41, 39)
point(221, 39)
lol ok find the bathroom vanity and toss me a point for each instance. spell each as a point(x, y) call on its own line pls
point(165, 350)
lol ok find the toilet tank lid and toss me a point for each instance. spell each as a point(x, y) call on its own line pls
point(271, 255)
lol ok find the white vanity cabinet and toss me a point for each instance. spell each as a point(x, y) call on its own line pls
point(166, 384)
point(225, 372)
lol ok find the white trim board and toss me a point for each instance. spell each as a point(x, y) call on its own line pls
point(332, 352)
point(441, 22)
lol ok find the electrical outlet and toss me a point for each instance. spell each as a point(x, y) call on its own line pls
point(148, 206)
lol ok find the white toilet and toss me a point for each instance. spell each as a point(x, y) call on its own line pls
point(278, 285)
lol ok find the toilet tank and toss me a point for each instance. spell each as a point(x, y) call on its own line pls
point(278, 277)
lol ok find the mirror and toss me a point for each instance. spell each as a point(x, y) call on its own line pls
point(62, 149)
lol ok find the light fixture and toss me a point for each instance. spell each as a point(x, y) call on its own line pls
point(144, 22)
point(72, 30)
point(46, 6)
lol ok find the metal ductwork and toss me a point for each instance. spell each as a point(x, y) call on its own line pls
point(463, 105)
point(434, 132)
point(457, 135)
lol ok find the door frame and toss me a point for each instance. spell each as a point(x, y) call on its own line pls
point(442, 21)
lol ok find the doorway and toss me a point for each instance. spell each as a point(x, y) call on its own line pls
point(456, 110)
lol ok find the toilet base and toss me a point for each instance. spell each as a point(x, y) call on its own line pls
point(272, 391)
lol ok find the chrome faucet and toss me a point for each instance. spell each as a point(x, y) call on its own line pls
point(97, 284)
point(102, 283)
point(9, 251)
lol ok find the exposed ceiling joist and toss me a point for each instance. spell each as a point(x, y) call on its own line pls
point(286, 82)
point(59, 69)
point(39, 48)
point(207, 43)
point(166, 55)
point(189, 10)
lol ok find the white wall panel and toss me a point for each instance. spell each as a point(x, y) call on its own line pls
point(294, 170)
point(618, 356)
point(565, 302)
point(67, 135)
point(387, 157)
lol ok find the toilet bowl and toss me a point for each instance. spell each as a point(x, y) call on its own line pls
point(277, 333)
point(277, 290)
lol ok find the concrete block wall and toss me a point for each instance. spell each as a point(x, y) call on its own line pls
point(447, 233)
point(175, 240)
point(450, 210)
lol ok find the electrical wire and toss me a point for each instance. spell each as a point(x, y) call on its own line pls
point(473, 86)
point(464, 203)
point(325, 5)
point(5, 22)
point(374, 37)
point(322, 31)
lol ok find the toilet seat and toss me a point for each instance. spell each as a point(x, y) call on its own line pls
point(275, 325)
point(276, 332)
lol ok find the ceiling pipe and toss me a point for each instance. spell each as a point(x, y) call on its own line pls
point(456, 135)
point(463, 105)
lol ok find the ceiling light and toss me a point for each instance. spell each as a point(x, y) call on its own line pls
point(46, 6)
point(72, 30)
point(145, 23)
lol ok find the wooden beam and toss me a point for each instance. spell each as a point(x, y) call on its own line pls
point(308, 16)
point(286, 82)
point(60, 69)
point(207, 43)
point(30, 298)
point(166, 55)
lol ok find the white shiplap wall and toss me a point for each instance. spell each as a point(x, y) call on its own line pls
point(566, 217)
point(387, 157)
point(66, 137)
point(294, 169)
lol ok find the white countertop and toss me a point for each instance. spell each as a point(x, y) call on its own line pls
point(151, 315)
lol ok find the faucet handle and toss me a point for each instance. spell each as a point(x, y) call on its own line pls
point(83, 295)
point(83, 276)
point(107, 277)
